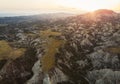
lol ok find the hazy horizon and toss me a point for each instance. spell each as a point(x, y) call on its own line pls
point(32, 7)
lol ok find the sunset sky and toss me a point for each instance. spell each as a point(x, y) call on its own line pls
point(76, 6)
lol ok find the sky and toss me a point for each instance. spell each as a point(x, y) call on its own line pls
point(45, 6)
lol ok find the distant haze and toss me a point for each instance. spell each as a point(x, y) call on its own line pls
point(17, 13)
point(30, 7)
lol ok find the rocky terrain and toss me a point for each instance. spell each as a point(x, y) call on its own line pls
point(82, 49)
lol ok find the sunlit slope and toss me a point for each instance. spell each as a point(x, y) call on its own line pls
point(7, 52)
point(51, 48)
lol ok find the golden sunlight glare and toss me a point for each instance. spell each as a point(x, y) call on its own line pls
point(89, 5)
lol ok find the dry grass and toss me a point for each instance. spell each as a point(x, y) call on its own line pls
point(7, 52)
point(17, 53)
point(115, 50)
point(48, 60)
point(47, 33)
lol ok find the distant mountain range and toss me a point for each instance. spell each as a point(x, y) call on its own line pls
point(101, 13)
point(38, 17)
point(7, 14)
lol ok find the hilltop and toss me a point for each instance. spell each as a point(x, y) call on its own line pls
point(104, 11)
